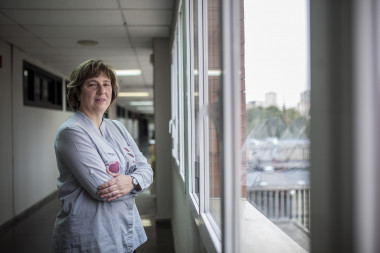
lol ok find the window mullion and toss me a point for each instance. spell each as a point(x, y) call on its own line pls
point(231, 126)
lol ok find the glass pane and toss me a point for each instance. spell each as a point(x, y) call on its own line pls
point(178, 98)
point(174, 102)
point(196, 97)
point(275, 153)
point(214, 97)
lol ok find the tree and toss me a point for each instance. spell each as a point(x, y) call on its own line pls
point(289, 115)
point(255, 115)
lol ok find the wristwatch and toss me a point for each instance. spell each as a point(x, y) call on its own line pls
point(136, 185)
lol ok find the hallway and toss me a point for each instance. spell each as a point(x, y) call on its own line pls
point(34, 233)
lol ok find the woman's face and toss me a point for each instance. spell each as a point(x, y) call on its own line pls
point(96, 95)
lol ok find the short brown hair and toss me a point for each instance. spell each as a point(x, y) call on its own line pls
point(84, 71)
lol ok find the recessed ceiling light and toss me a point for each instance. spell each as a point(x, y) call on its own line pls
point(133, 94)
point(128, 72)
point(87, 42)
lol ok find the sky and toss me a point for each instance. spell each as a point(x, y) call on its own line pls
point(276, 49)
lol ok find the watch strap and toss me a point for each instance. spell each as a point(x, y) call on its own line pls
point(136, 185)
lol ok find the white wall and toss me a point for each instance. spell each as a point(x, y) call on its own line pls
point(112, 112)
point(186, 234)
point(28, 137)
point(6, 184)
point(162, 117)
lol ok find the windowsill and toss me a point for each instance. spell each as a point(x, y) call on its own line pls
point(260, 235)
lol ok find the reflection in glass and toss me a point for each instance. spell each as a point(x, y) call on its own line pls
point(196, 98)
point(214, 97)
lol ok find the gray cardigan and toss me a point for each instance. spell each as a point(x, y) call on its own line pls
point(87, 223)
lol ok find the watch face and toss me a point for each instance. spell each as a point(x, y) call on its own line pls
point(134, 181)
point(136, 185)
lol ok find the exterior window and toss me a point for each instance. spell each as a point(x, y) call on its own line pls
point(275, 154)
point(274, 103)
point(180, 96)
point(173, 127)
point(196, 97)
point(177, 120)
point(213, 99)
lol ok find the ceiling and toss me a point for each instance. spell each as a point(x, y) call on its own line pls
point(49, 31)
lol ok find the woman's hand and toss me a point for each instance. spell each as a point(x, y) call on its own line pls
point(115, 188)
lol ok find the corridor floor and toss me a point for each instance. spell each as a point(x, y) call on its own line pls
point(34, 233)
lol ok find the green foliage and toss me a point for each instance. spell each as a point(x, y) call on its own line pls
point(289, 115)
point(298, 129)
point(272, 122)
point(256, 114)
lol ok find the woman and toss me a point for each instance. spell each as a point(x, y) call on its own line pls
point(101, 169)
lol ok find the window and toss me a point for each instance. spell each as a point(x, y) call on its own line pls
point(267, 142)
point(177, 120)
point(213, 100)
point(273, 99)
point(174, 118)
point(275, 154)
point(250, 123)
point(196, 101)
point(41, 88)
point(206, 114)
point(180, 94)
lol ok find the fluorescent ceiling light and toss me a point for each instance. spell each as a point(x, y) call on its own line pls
point(128, 72)
point(210, 72)
point(141, 103)
point(146, 222)
point(133, 94)
point(214, 72)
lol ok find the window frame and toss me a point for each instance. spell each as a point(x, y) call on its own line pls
point(176, 123)
point(206, 119)
point(231, 190)
point(199, 205)
point(198, 202)
point(192, 170)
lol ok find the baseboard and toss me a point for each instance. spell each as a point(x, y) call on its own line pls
point(28, 212)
